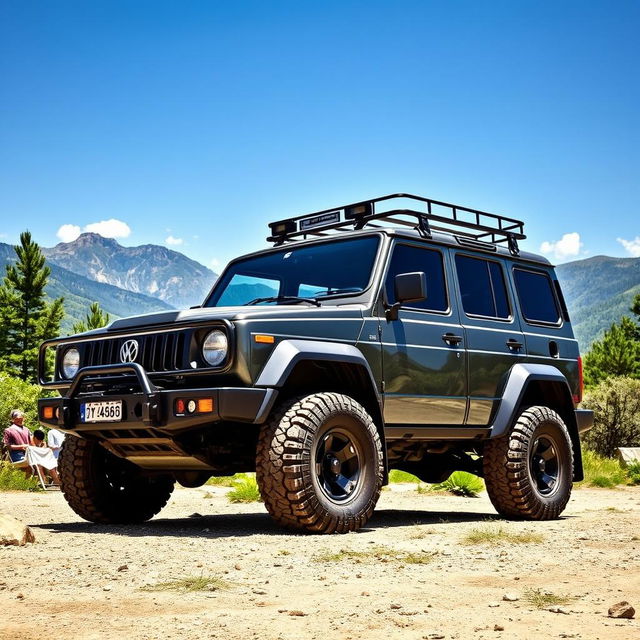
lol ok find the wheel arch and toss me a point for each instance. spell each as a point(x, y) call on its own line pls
point(531, 384)
point(299, 367)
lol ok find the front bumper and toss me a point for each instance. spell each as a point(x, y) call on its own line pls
point(151, 407)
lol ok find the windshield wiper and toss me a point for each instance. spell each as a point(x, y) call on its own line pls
point(292, 299)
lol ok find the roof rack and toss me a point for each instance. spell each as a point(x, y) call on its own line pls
point(452, 218)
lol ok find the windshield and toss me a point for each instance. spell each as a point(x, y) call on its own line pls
point(292, 275)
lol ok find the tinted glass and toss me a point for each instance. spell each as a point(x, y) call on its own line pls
point(321, 270)
point(535, 292)
point(408, 259)
point(482, 287)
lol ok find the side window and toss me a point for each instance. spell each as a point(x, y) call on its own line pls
point(482, 287)
point(407, 259)
point(537, 301)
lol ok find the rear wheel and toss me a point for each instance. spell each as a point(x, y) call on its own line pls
point(320, 464)
point(529, 472)
point(102, 488)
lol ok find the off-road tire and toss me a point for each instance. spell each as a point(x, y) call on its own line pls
point(102, 488)
point(520, 482)
point(295, 464)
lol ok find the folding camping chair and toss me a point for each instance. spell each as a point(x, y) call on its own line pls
point(23, 464)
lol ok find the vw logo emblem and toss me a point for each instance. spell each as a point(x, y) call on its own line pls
point(129, 351)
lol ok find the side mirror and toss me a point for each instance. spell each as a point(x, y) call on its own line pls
point(409, 287)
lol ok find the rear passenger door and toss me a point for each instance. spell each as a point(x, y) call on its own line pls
point(546, 321)
point(423, 355)
point(494, 337)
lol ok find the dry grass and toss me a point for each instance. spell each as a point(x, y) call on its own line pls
point(189, 584)
point(376, 554)
point(498, 535)
point(543, 599)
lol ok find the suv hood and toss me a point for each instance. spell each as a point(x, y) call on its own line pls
point(233, 314)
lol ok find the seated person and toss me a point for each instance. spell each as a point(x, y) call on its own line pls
point(17, 437)
point(55, 438)
point(39, 453)
point(38, 438)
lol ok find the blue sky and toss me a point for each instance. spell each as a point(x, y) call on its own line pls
point(194, 124)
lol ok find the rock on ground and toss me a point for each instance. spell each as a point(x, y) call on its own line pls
point(621, 610)
point(14, 532)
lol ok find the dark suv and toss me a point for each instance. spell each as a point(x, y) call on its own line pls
point(370, 337)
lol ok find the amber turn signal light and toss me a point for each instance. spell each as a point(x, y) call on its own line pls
point(47, 413)
point(205, 405)
point(264, 339)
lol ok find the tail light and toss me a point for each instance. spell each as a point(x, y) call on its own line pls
point(577, 399)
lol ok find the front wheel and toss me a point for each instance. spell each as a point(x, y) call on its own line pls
point(529, 472)
point(320, 464)
point(102, 488)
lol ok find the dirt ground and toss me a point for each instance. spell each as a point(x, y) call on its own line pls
point(409, 574)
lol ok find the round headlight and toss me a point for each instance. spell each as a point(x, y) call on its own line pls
point(214, 347)
point(70, 362)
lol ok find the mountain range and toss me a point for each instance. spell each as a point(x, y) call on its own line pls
point(148, 269)
point(133, 280)
point(598, 292)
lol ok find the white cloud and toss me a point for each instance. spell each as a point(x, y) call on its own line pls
point(174, 241)
point(111, 228)
point(567, 247)
point(214, 262)
point(68, 232)
point(632, 246)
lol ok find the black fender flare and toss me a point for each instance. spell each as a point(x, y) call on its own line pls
point(288, 353)
point(519, 379)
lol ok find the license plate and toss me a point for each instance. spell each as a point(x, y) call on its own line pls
point(107, 411)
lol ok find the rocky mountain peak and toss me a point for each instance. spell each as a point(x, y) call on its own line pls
point(148, 269)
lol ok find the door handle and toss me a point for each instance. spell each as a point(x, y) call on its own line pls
point(452, 339)
point(514, 345)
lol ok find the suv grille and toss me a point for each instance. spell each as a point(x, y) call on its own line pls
point(156, 352)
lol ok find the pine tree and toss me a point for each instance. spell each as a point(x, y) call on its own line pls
point(95, 319)
point(26, 319)
point(617, 354)
point(635, 309)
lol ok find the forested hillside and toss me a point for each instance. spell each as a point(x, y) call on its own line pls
point(598, 292)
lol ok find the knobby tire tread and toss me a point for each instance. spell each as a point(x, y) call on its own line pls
point(283, 464)
point(85, 495)
point(506, 472)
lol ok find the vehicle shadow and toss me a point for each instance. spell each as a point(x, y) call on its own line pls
point(251, 524)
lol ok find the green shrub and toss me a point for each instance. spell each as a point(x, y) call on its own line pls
point(461, 483)
point(12, 479)
point(17, 394)
point(245, 490)
point(633, 471)
point(229, 481)
point(397, 476)
point(616, 406)
point(600, 471)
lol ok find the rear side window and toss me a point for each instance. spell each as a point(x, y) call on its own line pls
point(407, 259)
point(537, 300)
point(482, 288)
